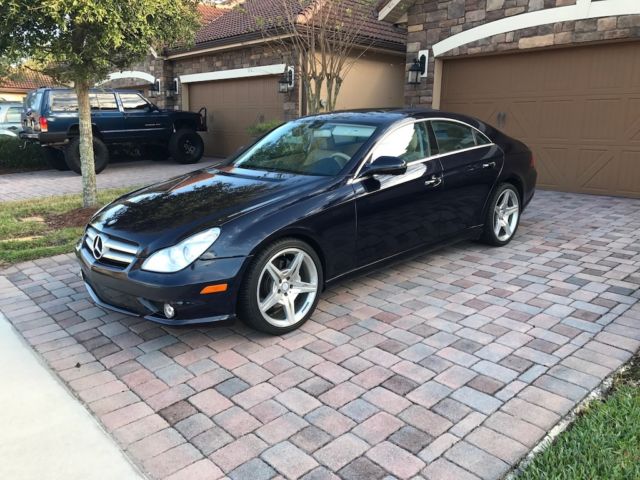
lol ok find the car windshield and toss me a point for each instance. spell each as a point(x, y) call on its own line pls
point(309, 147)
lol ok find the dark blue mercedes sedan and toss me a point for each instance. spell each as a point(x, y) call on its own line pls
point(261, 235)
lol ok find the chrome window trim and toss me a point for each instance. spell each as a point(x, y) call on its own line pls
point(355, 178)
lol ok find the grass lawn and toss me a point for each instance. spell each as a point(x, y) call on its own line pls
point(604, 441)
point(43, 227)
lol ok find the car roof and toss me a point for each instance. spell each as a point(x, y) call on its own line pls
point(384, 116)
point(95, 89)
point(10, 104)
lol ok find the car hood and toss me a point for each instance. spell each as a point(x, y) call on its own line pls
point(163, 214)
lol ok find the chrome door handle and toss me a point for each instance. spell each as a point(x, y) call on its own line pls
point(489, 165)
point(433, 181)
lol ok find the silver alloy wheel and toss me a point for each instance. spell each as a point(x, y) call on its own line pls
point(287, 287)
point(506, 214)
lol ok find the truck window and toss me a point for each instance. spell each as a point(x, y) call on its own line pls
point(133, 102)
point(103, 102)
point(64, 102)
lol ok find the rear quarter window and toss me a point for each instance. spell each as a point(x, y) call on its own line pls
point(452, 136)
point(64, 102)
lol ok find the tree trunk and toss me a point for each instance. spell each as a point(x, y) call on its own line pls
point(89, 190)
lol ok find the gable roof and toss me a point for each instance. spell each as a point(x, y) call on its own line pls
point(249, 20)
point(25, 80)
point(210, 12)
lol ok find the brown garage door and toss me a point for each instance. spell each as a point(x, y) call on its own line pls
point(577, 108)
point(232, 106)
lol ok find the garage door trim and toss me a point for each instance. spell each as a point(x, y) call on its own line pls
point(274, 69)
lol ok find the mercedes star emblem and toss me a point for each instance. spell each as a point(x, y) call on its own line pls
point(98, 247)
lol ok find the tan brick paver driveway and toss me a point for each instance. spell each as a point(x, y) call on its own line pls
point(44, 183)
point(451, 365)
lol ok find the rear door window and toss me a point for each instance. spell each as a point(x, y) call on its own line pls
point(103, 102)
point(452, 136)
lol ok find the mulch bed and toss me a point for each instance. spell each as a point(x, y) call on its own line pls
point(73, 218)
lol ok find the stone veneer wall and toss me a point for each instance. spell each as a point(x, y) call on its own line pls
point(168, 69)
point(259, 55)
point(157, 67)
point(430, 21)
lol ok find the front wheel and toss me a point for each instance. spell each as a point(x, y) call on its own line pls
point(503, 216)
point(281, 287)
point(100, 155)
point(186, 146)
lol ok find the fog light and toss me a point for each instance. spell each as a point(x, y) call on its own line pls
point(169, 311)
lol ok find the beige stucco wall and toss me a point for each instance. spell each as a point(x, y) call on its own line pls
point(375, 80)
point(12, 97)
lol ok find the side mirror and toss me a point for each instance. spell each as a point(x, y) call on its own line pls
point(384, 166)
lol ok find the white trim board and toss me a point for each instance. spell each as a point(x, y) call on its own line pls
point(387, 9)
point(131, 74)
point(274, 69)
point(583, 9)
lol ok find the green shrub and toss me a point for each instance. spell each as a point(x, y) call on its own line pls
point(261, 128)
point(14, 155)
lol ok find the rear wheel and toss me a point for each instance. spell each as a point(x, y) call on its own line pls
point(186, 146)
point(503, 216)
point(54, 158)
point(100, 155)
point(281, 287)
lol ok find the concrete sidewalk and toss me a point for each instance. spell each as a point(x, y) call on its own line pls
point(45, 432)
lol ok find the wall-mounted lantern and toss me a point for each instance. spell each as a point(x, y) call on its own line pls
point(418, 69)
point(286, 82)
point(154, 89)
point(174, 88)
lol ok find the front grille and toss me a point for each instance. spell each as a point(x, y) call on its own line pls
point(116, 253)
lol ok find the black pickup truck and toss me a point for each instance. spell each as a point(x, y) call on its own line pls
point(118, 117)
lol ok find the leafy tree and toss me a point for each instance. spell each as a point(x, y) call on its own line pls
point(82, 41)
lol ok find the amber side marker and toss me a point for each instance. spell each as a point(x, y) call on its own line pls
point(221, 287)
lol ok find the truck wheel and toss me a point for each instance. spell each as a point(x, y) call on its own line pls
point(100, 155)
point(54, 158)
point(186, 146)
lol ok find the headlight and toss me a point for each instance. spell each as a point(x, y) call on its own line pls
point(179, 256)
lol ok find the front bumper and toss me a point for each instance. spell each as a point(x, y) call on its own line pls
point(139, 293)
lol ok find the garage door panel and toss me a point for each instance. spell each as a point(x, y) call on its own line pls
point(632, 121)
point(234, 105)
point(577, 108)
point(592, 126)
point(554, 165)
point(597, 169)
point(521, 113)
point(557, 119)
point(629, 172)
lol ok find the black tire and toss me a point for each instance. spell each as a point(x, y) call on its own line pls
point(155, 152)
point(248, 309)
point(54, 157)
point(186, 146)
point(489, 235)
point(100, 155)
